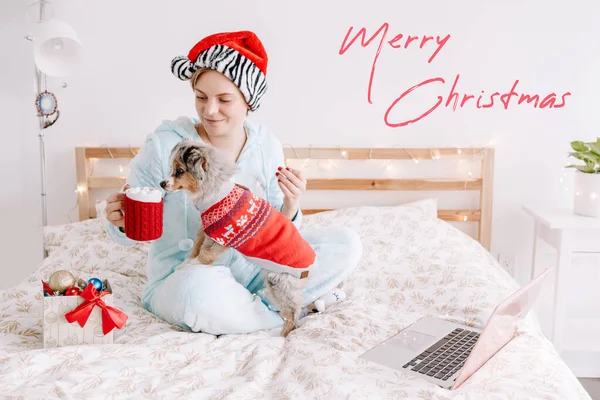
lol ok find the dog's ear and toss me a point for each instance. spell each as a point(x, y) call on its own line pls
point(195, 157)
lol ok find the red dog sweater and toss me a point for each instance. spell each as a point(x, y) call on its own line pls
point(252, 226)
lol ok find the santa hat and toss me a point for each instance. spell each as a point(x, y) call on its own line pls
point(240, 56)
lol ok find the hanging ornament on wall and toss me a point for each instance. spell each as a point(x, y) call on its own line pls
point(47, 105)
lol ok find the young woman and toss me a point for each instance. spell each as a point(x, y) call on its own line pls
point(227, 72)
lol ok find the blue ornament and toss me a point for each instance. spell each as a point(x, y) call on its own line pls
point(96, 282)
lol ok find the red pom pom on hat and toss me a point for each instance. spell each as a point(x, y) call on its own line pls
point(240, 56)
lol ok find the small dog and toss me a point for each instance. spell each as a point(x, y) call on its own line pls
point(233, 217)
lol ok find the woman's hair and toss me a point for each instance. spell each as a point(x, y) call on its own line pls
point(196, 75)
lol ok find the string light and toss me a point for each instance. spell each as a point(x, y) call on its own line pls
point(306, 161)
point(109, 152)
point(305, 164)
point(388, 163)
point(472, 157)
point(92, 162)
point(469, 174)
point(113, 157)
point(329, 165)
point(326, 166)
point(343, 153)
point(435, 155)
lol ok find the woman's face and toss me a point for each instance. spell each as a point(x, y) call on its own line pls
point(219, 103)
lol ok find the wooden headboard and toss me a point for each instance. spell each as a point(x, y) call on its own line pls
point(86, 182)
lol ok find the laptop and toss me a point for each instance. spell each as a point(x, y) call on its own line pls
point(446, 353)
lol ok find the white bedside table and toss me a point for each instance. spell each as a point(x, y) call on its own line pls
point(567, 233)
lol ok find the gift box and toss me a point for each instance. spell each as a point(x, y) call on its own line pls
point(83, 319)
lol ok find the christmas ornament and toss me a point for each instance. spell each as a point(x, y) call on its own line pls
point(72, 291)
point(61, 280)
point(81, 283)
point(96, 282)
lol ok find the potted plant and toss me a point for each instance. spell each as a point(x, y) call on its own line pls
point(587, 178)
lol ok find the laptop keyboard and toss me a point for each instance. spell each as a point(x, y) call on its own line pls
point(446, 356)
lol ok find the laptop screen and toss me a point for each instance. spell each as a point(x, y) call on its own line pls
point(501, 327)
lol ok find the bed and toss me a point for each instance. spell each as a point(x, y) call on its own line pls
point(415, 263)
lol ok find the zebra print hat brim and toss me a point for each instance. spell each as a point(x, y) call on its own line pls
point(240, 56)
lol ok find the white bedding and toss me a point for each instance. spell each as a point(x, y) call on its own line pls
point(413, 265)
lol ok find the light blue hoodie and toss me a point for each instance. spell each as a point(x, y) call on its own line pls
point(219, 299)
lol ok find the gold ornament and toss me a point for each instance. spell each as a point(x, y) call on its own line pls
point(61, 280)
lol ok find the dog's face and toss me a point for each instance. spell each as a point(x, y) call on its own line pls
point(189, 162)
point(197, 168)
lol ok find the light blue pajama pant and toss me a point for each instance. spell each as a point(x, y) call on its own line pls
point(187, 296)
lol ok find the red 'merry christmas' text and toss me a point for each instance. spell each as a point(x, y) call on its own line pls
point(452, 96)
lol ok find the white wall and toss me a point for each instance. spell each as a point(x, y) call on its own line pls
point(20, 207)
point(316, 96)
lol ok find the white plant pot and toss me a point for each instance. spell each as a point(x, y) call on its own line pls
point(587, 194)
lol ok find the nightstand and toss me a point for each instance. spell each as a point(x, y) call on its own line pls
point(567, 233)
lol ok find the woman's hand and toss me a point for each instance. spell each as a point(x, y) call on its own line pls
point(293, 184)
point(114, 205)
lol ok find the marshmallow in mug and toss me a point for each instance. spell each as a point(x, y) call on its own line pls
point(144, 194)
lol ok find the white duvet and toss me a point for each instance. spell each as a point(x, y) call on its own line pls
point(413, 265)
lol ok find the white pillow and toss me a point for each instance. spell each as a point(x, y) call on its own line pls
point(413, 213)
point(72, 233)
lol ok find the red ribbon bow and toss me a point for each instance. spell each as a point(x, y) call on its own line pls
point(111, 317)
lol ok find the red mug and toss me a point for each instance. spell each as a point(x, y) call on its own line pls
point(143, 210)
